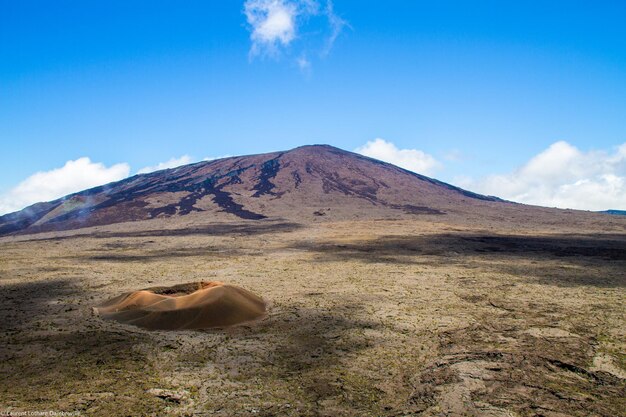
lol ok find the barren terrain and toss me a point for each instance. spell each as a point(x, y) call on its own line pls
point(417, 316)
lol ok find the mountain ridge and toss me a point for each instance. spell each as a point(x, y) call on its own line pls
point(299, 184)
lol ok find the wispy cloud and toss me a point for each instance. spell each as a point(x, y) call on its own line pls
point(454, 155)
point(562, 176)
point(171, 163)
point(276, 25)
point(411, 159)
point(72, 177)
point(304, 64)
point(336, 23)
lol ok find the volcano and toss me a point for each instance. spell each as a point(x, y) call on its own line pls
point(311, 279)
point(308, 183)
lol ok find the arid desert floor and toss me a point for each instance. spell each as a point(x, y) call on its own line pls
point(372, 318)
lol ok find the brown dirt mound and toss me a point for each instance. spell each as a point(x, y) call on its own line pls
point(198, 305)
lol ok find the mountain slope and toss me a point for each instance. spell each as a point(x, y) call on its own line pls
point(301, 184)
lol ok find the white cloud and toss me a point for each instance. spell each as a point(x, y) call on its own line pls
point(276, 24)
point(411, 159)
point(213, 158)
point(172, 163)
point(272, 22)
point(74, 176)
point(562, 176)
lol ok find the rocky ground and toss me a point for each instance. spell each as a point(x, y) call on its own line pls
point(380, 318)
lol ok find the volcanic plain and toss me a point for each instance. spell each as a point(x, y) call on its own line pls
point(436, 306)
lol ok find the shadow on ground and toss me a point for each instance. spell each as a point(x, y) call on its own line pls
point(21, 304)
point(53, 345)
point(160, 255)
point(592, 256)
point(218, 229)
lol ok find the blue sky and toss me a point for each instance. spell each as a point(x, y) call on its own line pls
point(485, 91)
